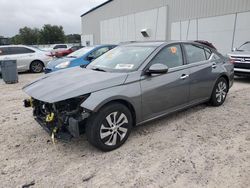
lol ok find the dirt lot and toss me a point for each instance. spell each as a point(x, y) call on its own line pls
point(199, 147)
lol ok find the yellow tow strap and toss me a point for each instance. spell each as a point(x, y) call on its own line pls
point(50, 117)
point(31, 102)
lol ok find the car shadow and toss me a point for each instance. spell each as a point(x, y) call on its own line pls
point(242, 79)
point(81, 144)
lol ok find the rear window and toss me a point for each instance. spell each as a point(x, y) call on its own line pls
point(195, 53)
point(19, 50)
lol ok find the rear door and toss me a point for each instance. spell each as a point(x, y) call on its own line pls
point(22, 55)
point(165, 93)
point(203, 71)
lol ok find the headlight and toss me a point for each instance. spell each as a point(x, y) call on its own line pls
point(63, 65)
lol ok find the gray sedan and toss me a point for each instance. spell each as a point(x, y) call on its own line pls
point(130, 85)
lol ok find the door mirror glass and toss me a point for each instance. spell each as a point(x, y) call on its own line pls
point(157, 69)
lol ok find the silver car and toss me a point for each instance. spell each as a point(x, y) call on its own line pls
point(129, 85)
point(241, 59)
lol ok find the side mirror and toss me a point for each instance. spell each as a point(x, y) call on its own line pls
point(157, 69)
point(234, 49)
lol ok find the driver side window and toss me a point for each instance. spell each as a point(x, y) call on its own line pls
point(171, 56)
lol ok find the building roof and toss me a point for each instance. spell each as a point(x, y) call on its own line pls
point(91, 10)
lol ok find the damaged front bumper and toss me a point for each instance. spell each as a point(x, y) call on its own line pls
point(63, 120)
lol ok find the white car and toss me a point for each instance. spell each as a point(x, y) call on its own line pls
point(28, 58)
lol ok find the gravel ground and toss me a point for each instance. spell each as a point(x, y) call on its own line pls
point(200, 147)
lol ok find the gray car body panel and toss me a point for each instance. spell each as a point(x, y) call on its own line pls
point(129, 92)
point(77, 81)
point(240, 54)
point(151, 96)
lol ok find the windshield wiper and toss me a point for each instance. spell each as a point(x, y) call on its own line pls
point(98, 69)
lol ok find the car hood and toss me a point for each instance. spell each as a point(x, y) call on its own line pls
point(56, 62)
point(72, 82)
point(240, 53)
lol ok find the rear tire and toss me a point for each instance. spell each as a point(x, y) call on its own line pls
point(219, 92)
point(36, 67)
point(109, 128)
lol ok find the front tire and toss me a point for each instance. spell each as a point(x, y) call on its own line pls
point(109, 128)
point(36, 67)
point(219, 92)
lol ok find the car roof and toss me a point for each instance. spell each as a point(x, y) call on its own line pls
point(142, 43)
point(19, 45)
point(159, 43)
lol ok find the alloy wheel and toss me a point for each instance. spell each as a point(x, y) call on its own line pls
point(114, 128)
point(36, 67)
point(221, 92)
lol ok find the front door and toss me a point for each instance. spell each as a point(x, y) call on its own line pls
point(165, 93)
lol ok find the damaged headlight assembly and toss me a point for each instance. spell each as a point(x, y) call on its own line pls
point(62, 119)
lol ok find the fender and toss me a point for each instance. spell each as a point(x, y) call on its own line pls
point(130, 94)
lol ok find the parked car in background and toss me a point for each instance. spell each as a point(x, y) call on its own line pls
point(241, 59)
point(57, 47)
point(129, 85)
point(80, 57)
point(28, 58)
point(68, 51)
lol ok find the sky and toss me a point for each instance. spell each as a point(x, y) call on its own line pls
point(15, 14)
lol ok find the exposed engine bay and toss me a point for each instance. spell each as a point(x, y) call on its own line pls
point(62, 120)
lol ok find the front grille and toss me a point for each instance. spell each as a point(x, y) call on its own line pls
point(240, 59)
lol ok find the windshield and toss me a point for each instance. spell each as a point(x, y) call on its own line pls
point(122, 59)
point(81, 52)
point(245, 47)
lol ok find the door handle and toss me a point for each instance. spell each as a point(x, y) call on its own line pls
point(214, 65)
point(184, 76)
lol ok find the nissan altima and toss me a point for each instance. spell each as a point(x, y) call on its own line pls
point(128, 86)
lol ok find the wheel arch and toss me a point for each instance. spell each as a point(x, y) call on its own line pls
point(125, 103)
point(223, 75)
point(120, 100)
point(37, 60)
point(226, 78)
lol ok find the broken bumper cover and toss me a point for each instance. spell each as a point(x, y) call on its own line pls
point(65, 135)
point(61, 120)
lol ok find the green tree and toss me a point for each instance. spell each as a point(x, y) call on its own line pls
point(16, 40)
point(51, 34)
point(73, 38)
point(28, 35)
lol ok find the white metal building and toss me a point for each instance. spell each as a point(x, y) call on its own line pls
point(225, 23)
